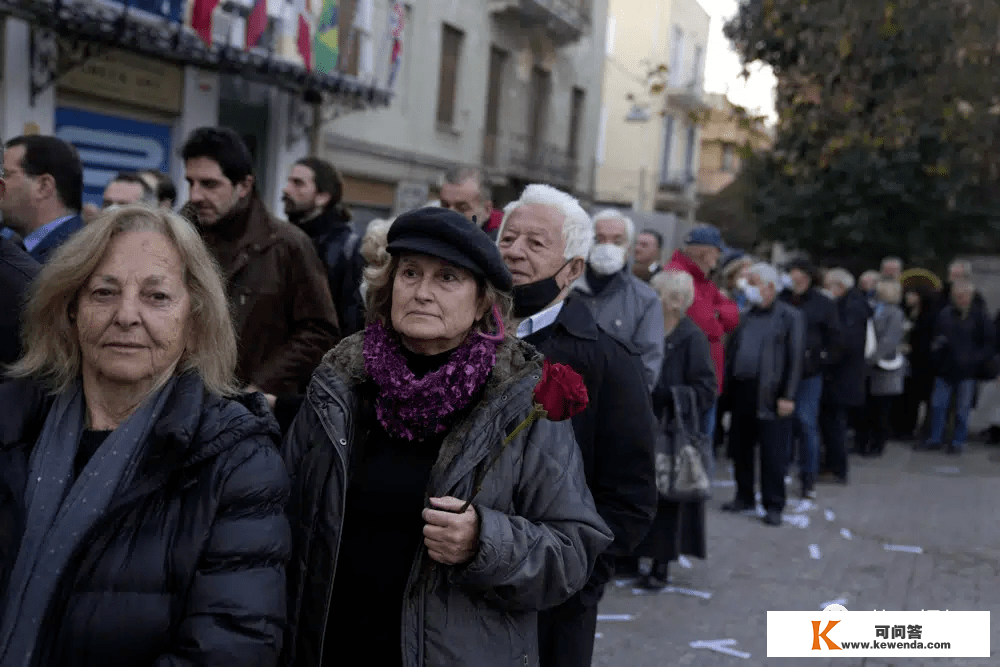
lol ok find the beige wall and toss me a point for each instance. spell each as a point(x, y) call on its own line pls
point(631, 155)
point(723, 128)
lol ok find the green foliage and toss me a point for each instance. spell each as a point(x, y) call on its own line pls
point(888, 137)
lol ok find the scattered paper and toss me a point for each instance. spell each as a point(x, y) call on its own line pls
point(684, 562)
point(798, 520)
point(947, 470)
point(723, 483)
point(828, 603)
point(905, 548)
point(704, 595)
point(788, 479)
point(814, 551)
point(830, 516)
point(615, 617)
point(721, 646)
point(625, 583)
point(598, 635)
point(757, 511)
point(846, 534)
point(804, 505)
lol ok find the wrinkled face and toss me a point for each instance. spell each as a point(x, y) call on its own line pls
point(962, 298)
point(611, 230)
point(212, 194)
point(646, 250)
point(956, 273)
point(434, 303)
point(133, 314)
point(122, 193)
point(767, 291)
point(705, 256)
point(18, 202)
point(867, 282)
point(299, 197)
point(532, 245)
point(891, 269)
point(466, 198)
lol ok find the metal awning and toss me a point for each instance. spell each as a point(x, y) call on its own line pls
point(90, 27)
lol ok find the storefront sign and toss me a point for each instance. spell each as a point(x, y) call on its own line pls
point(129, 78)
point(171, 10)
point(110, 144)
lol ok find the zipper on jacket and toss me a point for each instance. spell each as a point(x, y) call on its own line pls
point(343, 500)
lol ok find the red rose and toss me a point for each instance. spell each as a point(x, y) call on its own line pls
point(561, 392)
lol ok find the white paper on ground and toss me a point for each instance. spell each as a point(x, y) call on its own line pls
point(830, 516)
point(948, 470)
point(684, 562)
point(624, 583)
point(804, 505)
point(840, 601)
point(814, 551)
point(798, 520)
point(615, 617)
point(598, 635)
point(704, 595)
point(788, 479)
point(720, 646)
point(846, 534)
point(905, 548)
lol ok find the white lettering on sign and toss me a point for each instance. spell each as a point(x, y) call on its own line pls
point(104, 153)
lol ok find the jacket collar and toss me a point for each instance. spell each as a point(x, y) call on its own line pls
point(615, 284)
point(689, 266)
point(576, 319)
point(325, 224)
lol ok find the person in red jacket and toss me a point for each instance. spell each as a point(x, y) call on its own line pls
point(711, 311)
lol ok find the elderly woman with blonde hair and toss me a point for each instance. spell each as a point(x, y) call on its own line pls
point(141, 498)
point(679, 527)
point(887, 370)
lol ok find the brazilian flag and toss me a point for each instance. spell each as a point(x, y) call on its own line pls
point(326, 47)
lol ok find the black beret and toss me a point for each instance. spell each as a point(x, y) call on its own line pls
point(447, 235)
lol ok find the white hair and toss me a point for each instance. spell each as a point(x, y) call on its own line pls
point(767, 274)
point(676, 288)
point(578, 230)
point(964, 265)
point(613, 214)
point(841, 277)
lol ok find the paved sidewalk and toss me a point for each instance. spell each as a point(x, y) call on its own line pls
point(946, 505)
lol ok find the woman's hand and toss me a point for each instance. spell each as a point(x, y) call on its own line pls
point(451, 538)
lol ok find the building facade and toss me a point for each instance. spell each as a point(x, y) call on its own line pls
point(511, 86)
point(727, 133)
point(649, 141)
point(126, 82)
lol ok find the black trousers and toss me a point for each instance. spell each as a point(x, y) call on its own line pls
point(566, 634)
point(833, 427)
point(772, 437)
point(873, 430)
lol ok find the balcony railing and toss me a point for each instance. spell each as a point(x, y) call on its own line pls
point(689, 95)
point(677, 182)
point(565, 20)
point(518, 156)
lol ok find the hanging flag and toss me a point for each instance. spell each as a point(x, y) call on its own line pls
point(328, 37)
point(303, 38)
point(201, 18)
point(256, 23)
point(397, 23)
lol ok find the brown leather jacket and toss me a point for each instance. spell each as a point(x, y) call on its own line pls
point(282, 310)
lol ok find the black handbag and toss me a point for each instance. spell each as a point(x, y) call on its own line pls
point(682, 451)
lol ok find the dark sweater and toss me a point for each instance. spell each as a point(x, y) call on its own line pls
point(383, 531)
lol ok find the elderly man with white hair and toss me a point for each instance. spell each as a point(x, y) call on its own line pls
point(763, 370)
point(622, 303)
point(544, 239)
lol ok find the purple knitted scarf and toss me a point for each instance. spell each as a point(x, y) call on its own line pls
point(414, 408)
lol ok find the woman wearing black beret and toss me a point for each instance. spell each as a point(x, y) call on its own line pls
point(433, 516)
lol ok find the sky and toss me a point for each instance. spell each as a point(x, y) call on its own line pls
point(722, 65)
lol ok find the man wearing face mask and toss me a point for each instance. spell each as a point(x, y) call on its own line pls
point(714, 314)
point(621, 302)
point(544, 240)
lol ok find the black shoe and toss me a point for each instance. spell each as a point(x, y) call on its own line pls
point(954, 451)
point(840, 479)
point(736, 507)
point(927, 447)
point(772, 518)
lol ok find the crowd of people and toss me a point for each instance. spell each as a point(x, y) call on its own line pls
point(228, 438)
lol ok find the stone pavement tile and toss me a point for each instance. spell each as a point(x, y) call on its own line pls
point(752, 568)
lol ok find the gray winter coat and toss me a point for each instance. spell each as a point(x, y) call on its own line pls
point(630, 310)
point(888, 322)
point(539, 535)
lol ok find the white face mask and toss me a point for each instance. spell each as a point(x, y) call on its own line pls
point(753, 295)
point(742, 284)
point(786, 281)
point(607, 258)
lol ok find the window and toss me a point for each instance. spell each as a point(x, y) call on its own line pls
point(677, 58)
point(696, 66)
point(541, 88)
point(668, 145)
point(609, 37)
point(451, 49)
point(498, 65)
point(575, 121)
point(692, 136)
point(728, 157)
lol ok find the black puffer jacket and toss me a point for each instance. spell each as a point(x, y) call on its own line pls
point(339, 246)
point(188, 566)
point(17, 270)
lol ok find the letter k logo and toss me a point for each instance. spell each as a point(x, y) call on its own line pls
point(817, 635)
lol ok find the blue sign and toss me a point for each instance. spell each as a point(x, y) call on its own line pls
point(110, 144)
point(172, 10)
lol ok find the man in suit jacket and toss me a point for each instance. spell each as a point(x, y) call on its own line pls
point(44, 196)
